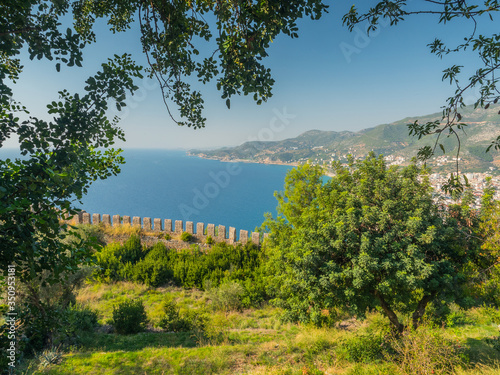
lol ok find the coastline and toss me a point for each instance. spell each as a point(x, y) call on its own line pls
point(228, 160)
point(268, 162)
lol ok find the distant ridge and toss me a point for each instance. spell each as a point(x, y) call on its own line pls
point(391, 140)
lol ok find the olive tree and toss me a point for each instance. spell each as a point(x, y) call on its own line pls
point(371, 237)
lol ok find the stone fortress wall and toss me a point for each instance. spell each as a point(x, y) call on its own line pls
point(176, 227)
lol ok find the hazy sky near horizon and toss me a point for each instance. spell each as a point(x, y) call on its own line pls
point(327, 79)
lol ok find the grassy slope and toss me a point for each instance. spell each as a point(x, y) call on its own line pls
point(250, 342)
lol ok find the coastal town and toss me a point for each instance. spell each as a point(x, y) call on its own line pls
point(477, 181)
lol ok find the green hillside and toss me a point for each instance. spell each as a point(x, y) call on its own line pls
point(391, 140)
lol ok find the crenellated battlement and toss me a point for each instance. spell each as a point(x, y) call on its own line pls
point(177, 227)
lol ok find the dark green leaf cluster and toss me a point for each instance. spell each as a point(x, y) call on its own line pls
point(370, 237)
point(60, 159)
point(129, 317)
point(174, 32)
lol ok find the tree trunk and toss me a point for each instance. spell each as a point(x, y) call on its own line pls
point(390, 314)
point(420, 310)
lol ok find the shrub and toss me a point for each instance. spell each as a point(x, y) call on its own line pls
point(424, 351)
point(171, 320)
point(129, 317)
point(365, 347)
point(109, 262)
point(48, 357)
point(131, 251)
point(457, 316)
point(186, 237)
point(167, 236)
point(210, 240)
point(227, 296)
point(174, 320)
point(154, 269)
point(80, 319)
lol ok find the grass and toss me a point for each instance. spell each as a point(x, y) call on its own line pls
point(255, 341)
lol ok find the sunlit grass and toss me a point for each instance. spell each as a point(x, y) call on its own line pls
point(253, 341)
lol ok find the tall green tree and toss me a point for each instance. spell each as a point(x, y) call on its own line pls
point(371, 237)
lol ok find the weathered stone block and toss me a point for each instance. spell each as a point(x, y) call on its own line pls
point(232, 235)
point(96, 219)
point(222, 233)
point(106, 220)
point(178, 226)
point(126, 220)
point(243, 236)
point(200, 229)
point(256, 238)
point(116, 221)
point(136, 221)
point(86, 218)
point(190, 227)
point(211, 230)
point(168, 225)
point(146, 224)
point(157, 225)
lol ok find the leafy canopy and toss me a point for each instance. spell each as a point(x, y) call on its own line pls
point(232, 35)
point(61, 157)
point(370, 237)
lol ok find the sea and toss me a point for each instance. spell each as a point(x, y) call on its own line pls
point(172, 185)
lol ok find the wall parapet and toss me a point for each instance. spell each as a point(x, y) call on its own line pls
point(200, 231)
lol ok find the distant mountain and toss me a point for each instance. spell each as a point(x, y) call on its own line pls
point(391, 140)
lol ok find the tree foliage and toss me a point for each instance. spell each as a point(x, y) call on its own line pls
point(63, 156)
point(60, 157)
point(371, 237)
point(222, 40)
point(485, 275)
point(484, 80)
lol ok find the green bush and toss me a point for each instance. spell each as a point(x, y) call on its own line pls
point(81, 318)
point(226, 297)
point(154, 269)
point(189, 268)
point(210, 240)
point(131, 251)
point(171, 320)
point(365, 347)
point(129, 317)
point(424, 351)
point(186, 237)
point(457, 316)
point(108, 262)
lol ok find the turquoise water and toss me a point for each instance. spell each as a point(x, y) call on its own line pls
point(171, 185)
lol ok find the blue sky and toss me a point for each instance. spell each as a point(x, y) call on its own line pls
point(328, 79)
